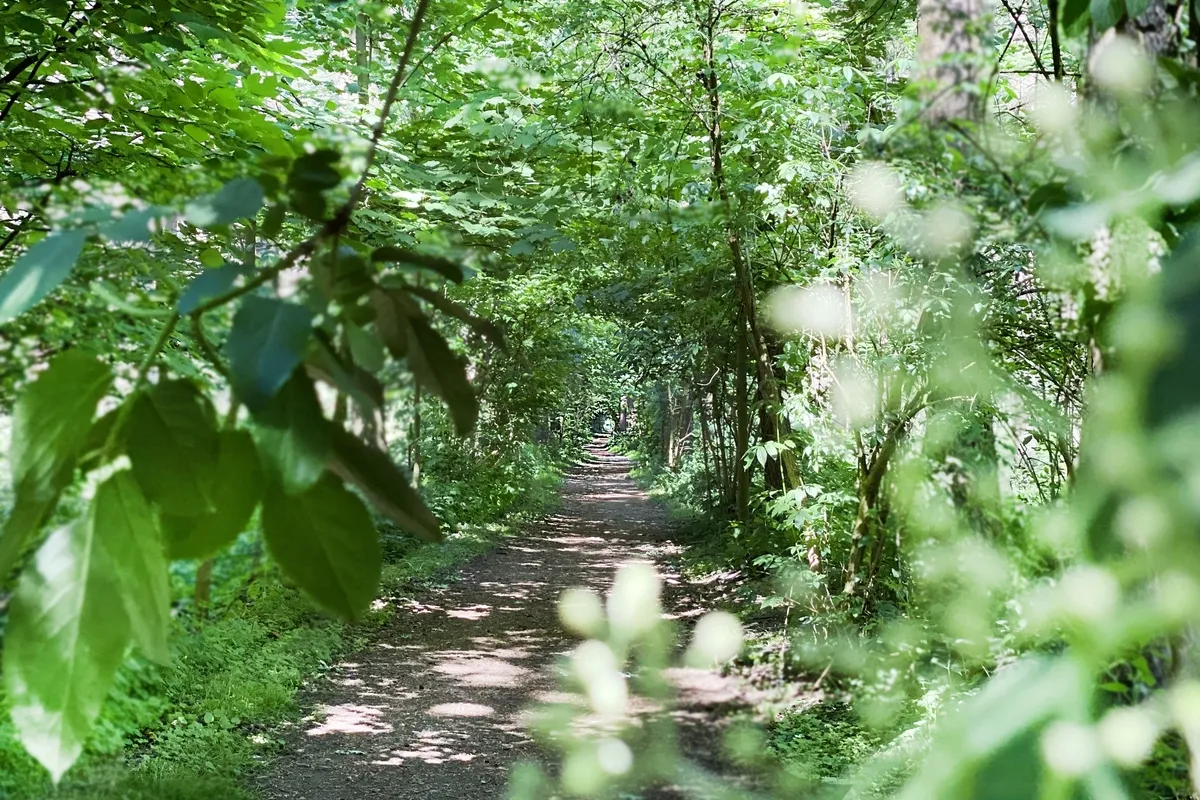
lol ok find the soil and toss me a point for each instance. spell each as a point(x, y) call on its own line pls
point(436, 706)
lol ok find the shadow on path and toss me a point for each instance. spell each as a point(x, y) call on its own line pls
point(434, 708)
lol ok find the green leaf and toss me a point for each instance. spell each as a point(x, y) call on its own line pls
point(398, 255)
point(236, 200)
point(1073, 11)
point(237, 485)
point(66, 637)
point(315, 172)
point(196, 134)
point(1106, 13)
point(268, 339)
point(325, 541)
point(135, 226)
point(129, 530)
point(171, 438)
point(350, 379)
point(51, 424)
point(390, 322)
point(273, 221)
point(96, 450)
point(207, 285)
point(39, 271)
point(483, 327)
point(293, 435)
point(1173, 390)
point(211, 258)
point(1135, 8)
point(436, 367)
point(387, 486)
point(365, 347)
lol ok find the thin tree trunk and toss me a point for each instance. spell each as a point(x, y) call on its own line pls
point(414, 442)
point(362, 57)
point(741, 475)
point(203, 592)
point(705, 446)
point(741, 267)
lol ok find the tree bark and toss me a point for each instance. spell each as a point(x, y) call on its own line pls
point(362, 57)
point(948, 36)
point(741, 434)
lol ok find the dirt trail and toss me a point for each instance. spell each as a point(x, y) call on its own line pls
point(433, 709)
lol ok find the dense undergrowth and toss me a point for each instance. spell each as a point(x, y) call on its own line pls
point(858, 726)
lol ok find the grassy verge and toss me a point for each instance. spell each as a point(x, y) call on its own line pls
point(195, 729)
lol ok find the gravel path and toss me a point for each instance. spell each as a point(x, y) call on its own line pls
point(434, 708)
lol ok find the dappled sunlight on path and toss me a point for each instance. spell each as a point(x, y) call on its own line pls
point(437, 706)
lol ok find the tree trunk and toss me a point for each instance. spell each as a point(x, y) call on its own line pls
point(743, 277)
point(870, 485)
point(362, 57)
point(948, 39)
point(741, 433)
point(203, 593)
point(414, 441)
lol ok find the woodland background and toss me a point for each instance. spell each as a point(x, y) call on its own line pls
point(894, 304)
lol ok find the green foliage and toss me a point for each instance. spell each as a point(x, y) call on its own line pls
point(324, 540)
point(926, 380)
point(823, 743)
point(50, 427)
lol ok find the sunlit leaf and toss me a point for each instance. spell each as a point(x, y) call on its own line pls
point(51, 424)
point(66, 636)
point(129, 530)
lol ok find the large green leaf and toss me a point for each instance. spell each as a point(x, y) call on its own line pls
point(315, 172)
point(387, 487)
point(483, 327)
point(1173, 390)
point(171, 438)
point(236, 488)
point(416, 260)
point(129, 532)
point(66, 637)
point(365, 347)
point(352, 380)
point(1073, 11)
point(325, 541)
point(51, 424)
point(437, 368)
point(39, 271)
point(268, 339)
point(1106, 13)
point(208, 284)
point(391, 321)
point(137, 225)
point(1135, 8)
point(236, 200)
point(293, 435)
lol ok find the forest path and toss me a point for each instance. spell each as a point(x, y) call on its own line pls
point(434, 708)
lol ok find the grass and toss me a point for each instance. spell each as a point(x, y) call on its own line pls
point(197, 728)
